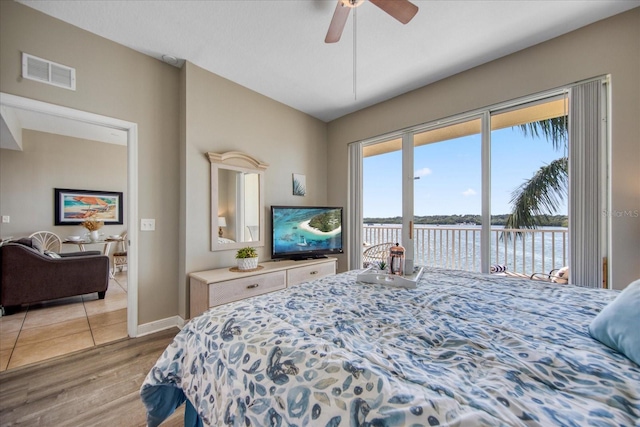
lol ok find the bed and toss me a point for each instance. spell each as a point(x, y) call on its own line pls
point(462, 349)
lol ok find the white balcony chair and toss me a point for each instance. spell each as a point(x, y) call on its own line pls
point(557, 275)
point(373, 255)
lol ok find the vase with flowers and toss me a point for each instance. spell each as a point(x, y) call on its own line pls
point(93, 225)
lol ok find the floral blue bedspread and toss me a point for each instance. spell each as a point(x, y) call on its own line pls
point(462, 349)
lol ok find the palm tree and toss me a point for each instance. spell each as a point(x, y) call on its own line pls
point(542, 194)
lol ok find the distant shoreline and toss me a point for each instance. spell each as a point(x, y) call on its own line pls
point(496, 220)
point(476, 226)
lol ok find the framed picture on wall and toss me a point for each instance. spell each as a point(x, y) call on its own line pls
point(299, 184)
point(74, 206)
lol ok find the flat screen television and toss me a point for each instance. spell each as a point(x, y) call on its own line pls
point(301, 232)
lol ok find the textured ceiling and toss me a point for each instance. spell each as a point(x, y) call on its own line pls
point(276, 47)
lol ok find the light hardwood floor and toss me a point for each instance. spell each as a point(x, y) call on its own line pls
point(42, 331)
point(96, 387)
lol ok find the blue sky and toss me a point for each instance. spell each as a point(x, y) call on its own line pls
point(450, 175)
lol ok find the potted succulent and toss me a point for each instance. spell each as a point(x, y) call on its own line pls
point(247, 258)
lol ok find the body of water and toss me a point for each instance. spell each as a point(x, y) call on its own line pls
point(458, 246)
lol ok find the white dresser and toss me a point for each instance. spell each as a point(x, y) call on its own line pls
point(220, 286)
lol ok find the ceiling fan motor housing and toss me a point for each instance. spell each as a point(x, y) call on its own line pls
point(402, 10)
point(351, 3)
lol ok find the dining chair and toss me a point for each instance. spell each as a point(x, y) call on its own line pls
point(48, 240)
point(120, 256)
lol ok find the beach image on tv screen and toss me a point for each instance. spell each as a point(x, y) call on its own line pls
point(304, 230)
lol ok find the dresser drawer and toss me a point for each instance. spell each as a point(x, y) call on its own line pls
point(237, 289)
point(299, 275)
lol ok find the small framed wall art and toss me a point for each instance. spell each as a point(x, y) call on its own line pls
point(299, 184)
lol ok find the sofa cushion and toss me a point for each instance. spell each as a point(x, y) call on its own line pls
point(81, 253)
point(26, 241)
point(51, 254)
point(30, 243)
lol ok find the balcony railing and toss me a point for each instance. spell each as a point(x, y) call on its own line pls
point(458, 247)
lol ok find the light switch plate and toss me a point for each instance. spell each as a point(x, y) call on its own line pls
point(5, 219)
point(148, 224)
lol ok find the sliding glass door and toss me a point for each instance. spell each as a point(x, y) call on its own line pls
point(381, 199)
point(446, 202)
point(529, 187)
point(419, 190)
point(518, 186)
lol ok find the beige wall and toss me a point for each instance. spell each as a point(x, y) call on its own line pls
point(116, 82)
point(47, 161)
point(611, 47)
point(223, 116)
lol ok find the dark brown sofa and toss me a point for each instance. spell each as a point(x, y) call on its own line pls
point(28, 274)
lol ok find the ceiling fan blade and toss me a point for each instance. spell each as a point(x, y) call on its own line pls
point(402, 10)
point(337, 23)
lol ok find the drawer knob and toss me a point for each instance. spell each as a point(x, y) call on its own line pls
point(255, 285)
point(313, 272)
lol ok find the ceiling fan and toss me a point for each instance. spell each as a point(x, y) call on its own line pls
point(402, 10)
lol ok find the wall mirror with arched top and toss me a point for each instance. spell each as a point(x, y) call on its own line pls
point(237, 200)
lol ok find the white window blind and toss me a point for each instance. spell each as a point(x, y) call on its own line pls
point(587, 157)
point(354, 214)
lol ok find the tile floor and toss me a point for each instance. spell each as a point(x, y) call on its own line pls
point(45, 330)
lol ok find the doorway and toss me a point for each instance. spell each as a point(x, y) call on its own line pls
point(103, 124)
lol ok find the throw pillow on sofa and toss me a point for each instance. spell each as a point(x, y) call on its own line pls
point(52, 254)
point(30, 243)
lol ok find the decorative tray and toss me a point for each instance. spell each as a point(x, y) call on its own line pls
point(371, 275)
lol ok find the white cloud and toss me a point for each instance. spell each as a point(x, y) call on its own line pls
point(469, 192)
point(422, 172)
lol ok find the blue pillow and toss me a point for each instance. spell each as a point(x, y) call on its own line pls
point(617, 324)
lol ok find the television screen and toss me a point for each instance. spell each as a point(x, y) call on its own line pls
point(305, 232)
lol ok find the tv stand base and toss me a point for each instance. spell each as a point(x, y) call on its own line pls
point(305, 258)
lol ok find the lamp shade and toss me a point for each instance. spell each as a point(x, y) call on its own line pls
point(222, 222)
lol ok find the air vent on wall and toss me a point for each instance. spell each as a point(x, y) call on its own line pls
point(42, 70)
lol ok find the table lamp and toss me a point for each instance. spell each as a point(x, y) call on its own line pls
point(222, 222)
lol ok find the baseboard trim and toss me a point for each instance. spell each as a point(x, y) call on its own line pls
point(160, 325)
